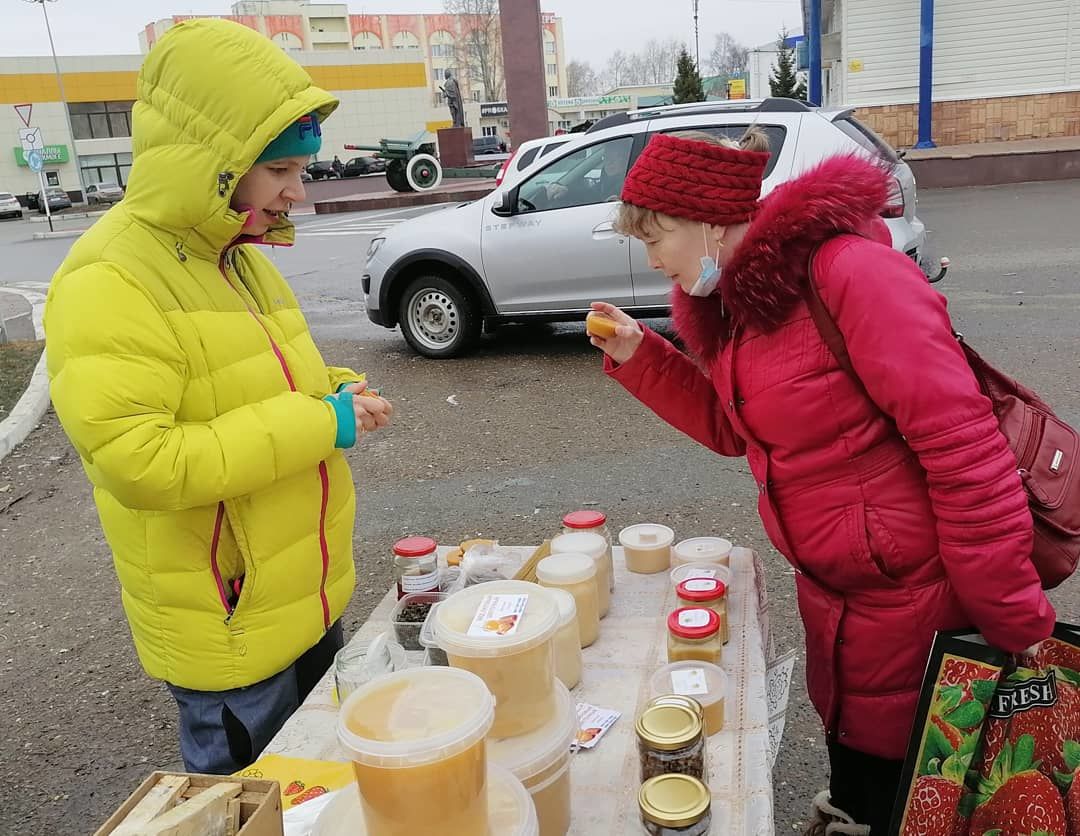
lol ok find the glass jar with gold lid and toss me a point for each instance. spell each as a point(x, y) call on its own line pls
point(675, 805)
point(671, 739)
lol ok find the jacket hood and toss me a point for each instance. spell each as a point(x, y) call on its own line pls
point(212, 94)
point(765, 277)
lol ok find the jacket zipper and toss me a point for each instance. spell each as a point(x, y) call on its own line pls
point(214, 543)
point(324, 474)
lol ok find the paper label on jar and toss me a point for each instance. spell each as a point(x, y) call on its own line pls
point(694, 618)
point(689, 682)
point(701, 585)
point(701, 573)
point(593, 724)
point(427, 582)
point(498, 615)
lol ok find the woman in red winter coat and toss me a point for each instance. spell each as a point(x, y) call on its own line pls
point(898, 504)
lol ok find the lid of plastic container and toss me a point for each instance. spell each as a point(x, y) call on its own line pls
point(415, 716)
point(669, 728)
point(566, 568)
point(687, 571)
point(532, 754)
point(538, 623)
point(647, 536)
point(567, 605)
point(415, 547)
point(693, 623)
point(700, 590)
point(674, 800)
point(706, 683)
point(703, 549)
point(510, 809)
point(580, 542)
point(585, 519)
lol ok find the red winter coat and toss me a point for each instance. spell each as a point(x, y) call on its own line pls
point(902, 515)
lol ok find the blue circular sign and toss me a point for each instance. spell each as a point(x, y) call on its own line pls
point(35, 160)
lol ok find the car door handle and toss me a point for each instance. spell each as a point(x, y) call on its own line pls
point(603, 231)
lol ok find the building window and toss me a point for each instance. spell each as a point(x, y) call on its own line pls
point(489, 130)
point(564, 124)
point(553, 92)
point(476, 96)
point(553, 70)
point(549, 47)
point(442, 50)
point(440, 99)
point(105, 168)
point(100, 120)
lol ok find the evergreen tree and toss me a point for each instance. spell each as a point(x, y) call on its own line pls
point(784, 83)
point(688, 86)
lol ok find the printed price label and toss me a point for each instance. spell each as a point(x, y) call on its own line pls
point(498, 615)
point(593, 724)
point(701, 585)
point(694, 618)
point(689, 682)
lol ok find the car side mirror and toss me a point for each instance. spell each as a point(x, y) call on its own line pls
point(506, 204)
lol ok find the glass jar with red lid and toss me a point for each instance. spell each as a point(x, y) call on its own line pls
point(694, 636)
point(416, 566)
point(593, 522)
point(710, 593)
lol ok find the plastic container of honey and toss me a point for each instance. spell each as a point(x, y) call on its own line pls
point(596, 547)
point(694, 634)
point(575, 573)
point(706, 592)
point(419, 734)
point(708, 684)
point(689, 571)
point(594, 522)
point(510, 811)
point(647, 547)
point(513, 653)
point(541, 761)
point(567, 640)
point(702, 550)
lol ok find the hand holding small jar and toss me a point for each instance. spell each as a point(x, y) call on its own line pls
point(619, 343)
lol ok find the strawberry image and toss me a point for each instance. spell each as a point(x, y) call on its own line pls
point(308, 794)
point(932, 808)
point(1054, 652)
point(1050, 726)
point(952, 734)
point(1070, 786)
point(1015, 799)
point(294, 788)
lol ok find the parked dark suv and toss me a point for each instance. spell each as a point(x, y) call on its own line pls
point(487, 145)
point(364, 165)
point(322, 170)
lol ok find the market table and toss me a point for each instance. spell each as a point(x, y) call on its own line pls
point(632, 645)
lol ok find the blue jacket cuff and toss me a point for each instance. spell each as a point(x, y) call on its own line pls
point(346, 419)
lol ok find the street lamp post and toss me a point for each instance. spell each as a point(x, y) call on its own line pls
point(697, 36)
point(63, 96)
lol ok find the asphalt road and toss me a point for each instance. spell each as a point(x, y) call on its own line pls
point(537, 430)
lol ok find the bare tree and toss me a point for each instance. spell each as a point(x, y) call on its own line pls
point(617, 69)
point(659, 61)
point(581, 79)
point(479, 45)
point(728, 56)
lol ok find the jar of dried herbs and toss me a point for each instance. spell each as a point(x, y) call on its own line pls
point(670, 740)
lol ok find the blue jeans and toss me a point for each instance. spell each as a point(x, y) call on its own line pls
point(222, 732)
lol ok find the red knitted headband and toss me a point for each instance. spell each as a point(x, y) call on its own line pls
point(699, 181)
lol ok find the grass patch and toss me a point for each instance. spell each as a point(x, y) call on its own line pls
point(17, 361)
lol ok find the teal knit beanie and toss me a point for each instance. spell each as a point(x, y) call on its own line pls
point(302, 138)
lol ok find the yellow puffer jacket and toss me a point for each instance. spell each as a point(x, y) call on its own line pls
point(184, 374)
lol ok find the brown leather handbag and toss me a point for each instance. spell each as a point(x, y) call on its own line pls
point(1046, 448)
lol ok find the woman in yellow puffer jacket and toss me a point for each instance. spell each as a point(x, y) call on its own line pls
point(185, 375)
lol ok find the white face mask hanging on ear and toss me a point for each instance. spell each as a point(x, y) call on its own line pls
point(710, 270)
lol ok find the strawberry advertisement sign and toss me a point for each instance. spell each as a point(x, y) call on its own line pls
point(996, 746)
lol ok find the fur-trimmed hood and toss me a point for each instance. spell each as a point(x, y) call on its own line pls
point(765, 277)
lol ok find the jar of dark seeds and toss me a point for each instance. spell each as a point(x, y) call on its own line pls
point(671, 740)
point(675, 805)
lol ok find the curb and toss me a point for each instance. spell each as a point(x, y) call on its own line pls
point(399, 200)
point(40, 219)
point(60, 233)
point(30, 409)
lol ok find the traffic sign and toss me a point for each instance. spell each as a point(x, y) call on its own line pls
point(31, 139)
point(35, 160)
point(24, 111)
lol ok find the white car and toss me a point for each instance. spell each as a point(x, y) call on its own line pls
point(542, 245)
point(528, 153)
point(10, 206)
point(103, 193)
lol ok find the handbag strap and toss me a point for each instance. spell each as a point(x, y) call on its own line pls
point(826, 325)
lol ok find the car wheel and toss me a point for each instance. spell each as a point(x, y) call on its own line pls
point(437, 319)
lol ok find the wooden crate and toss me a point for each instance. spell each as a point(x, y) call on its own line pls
point(259, 802)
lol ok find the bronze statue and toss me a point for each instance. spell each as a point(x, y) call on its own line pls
point(453, 99)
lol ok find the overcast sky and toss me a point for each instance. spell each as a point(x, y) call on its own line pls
point(593, 28)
